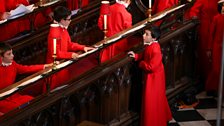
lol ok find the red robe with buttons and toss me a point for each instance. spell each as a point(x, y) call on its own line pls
point(74, 4)
point(119, 19)
point(215, 44)
point(65, 47)
point(7, 77)
point(155, 108)
point(205, 10)
point(64, 50)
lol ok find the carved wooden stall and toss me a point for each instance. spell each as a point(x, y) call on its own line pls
point(108, 93)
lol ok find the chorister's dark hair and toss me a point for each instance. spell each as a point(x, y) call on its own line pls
point(220, 7)
point(155, 31)
point(4, 47)
point(60, 13)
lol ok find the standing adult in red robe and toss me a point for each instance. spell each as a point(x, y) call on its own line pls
point(155, 107)
point(160, 5)
point(76, 4)
point(65, 48)
point(215, 45)
point(8, 71)
point(205, 10)
point(119, 19)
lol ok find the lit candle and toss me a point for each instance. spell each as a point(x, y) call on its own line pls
point(54, 45)
point(105, 22)
point(150, 4)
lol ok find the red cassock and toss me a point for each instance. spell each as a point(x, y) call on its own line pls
point(155, 107)
point(7, 77)
point(160, 5)
point(215, 43)
point(74, 4)
point(64, 50)
point(65, 47)
point(205, 10)
point(118, 20)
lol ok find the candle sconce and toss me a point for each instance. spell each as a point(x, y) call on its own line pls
point(54, 63)
point(150, 13)
point(54, 53)
point(105, 11)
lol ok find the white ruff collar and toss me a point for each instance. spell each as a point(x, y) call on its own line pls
point(149, 43)
point(6, 64)
point(122, 2)
point(65, 27)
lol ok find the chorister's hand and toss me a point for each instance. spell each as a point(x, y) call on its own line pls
point(5, 15)
point(86, 49)
point(51, 64)
point(131, 54)
point(75, 55)
point(50, 15)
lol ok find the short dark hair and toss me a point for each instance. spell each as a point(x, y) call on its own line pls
point(4, 47)
point(60, 13)
point(155, 31)
point(220, 7)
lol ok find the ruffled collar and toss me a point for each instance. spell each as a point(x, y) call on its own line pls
point(4, 64)
point(122, 2)
point(62, 26)
point(149, 43)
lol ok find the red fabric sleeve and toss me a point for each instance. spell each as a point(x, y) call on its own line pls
point(127, 21)
point(196, 8)
point(100, 22)
point(28, 69)
point(211, 33)
point(74, 46)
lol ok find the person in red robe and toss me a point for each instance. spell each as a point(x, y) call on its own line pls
point(76, 4)
point(161, 5)
point(8, 72)
point(65, 48)
point(119, 19)
point(8, 30)
point(215, 45)
point(155, 107)
point(204, 10)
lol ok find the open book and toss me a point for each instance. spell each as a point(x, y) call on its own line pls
point(21, 10)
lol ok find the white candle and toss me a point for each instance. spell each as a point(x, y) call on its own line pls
point(105, 22)
point(150, 4)
point(54, 46)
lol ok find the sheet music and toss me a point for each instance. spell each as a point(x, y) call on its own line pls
point(8, 92)
point(2, 21)
point(88, 52)
point(21, 10)
point(64, 64)
point(49, 3)
point(74, 12)
point(30, 81)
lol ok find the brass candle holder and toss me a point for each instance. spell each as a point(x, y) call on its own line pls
point(54, 63)
point(149, 13)
point(105, 32)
